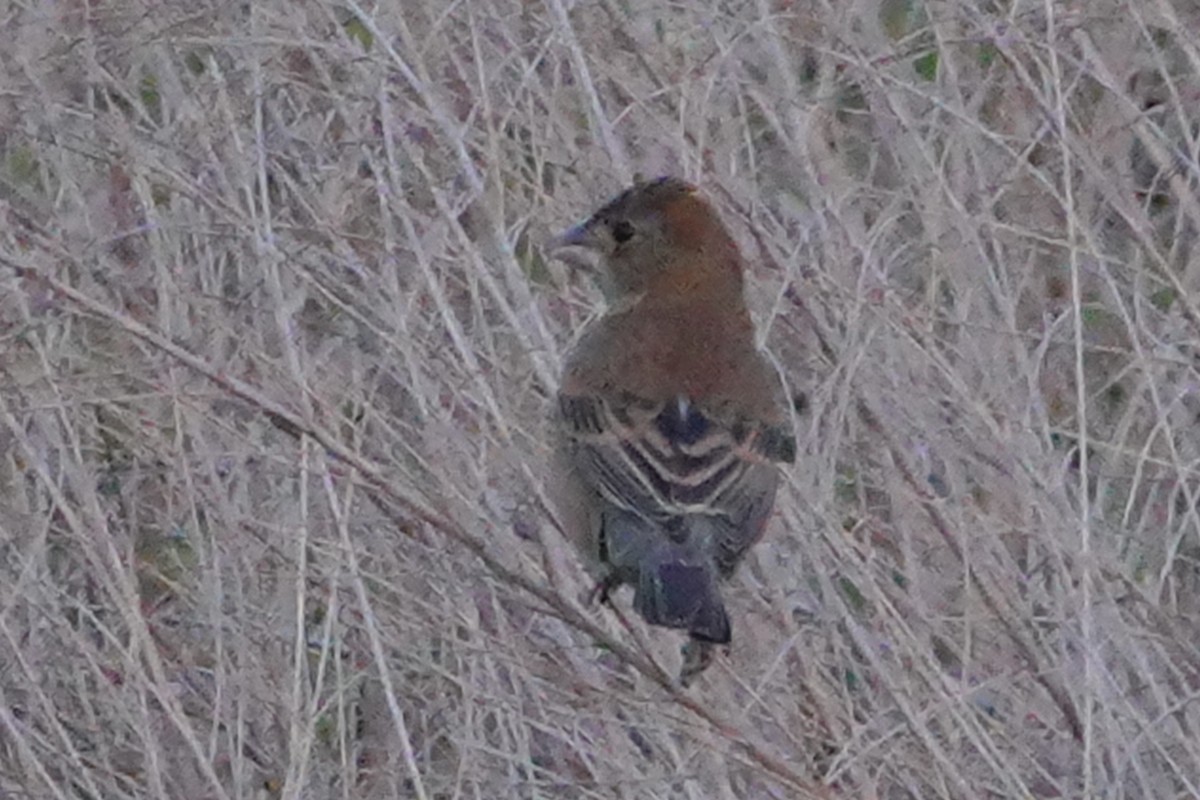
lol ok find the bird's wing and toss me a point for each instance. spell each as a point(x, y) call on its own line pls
point(663, 461)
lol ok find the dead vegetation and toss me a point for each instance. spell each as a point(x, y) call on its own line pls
point(277, 340)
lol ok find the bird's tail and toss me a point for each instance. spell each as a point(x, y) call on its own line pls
point(676, 594)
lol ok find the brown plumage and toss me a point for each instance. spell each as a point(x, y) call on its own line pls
point(671, 421)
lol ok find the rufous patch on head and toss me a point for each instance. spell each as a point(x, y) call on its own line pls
point(695, 229)
point(690, 219)
point(683, 185)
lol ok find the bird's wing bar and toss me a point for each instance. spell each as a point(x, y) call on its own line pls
point(662, 460)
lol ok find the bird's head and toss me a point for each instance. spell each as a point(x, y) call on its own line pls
point(656, 236)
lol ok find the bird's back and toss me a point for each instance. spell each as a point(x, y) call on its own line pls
point(679, 472)
point(660, 356)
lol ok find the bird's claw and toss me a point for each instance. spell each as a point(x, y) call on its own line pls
point(602, 590)
point(697, 655)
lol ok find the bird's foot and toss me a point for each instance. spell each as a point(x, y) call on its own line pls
point(601, 591)
point(698, 655)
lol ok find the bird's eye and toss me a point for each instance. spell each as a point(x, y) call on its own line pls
point(622, 232)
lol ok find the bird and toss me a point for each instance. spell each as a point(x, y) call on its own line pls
point(671, 425)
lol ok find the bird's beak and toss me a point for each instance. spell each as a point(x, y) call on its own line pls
point(575, 244)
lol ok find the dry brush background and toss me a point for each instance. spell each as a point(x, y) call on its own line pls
point(277, 342)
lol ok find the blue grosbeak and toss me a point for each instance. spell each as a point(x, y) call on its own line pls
point(671, 421)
